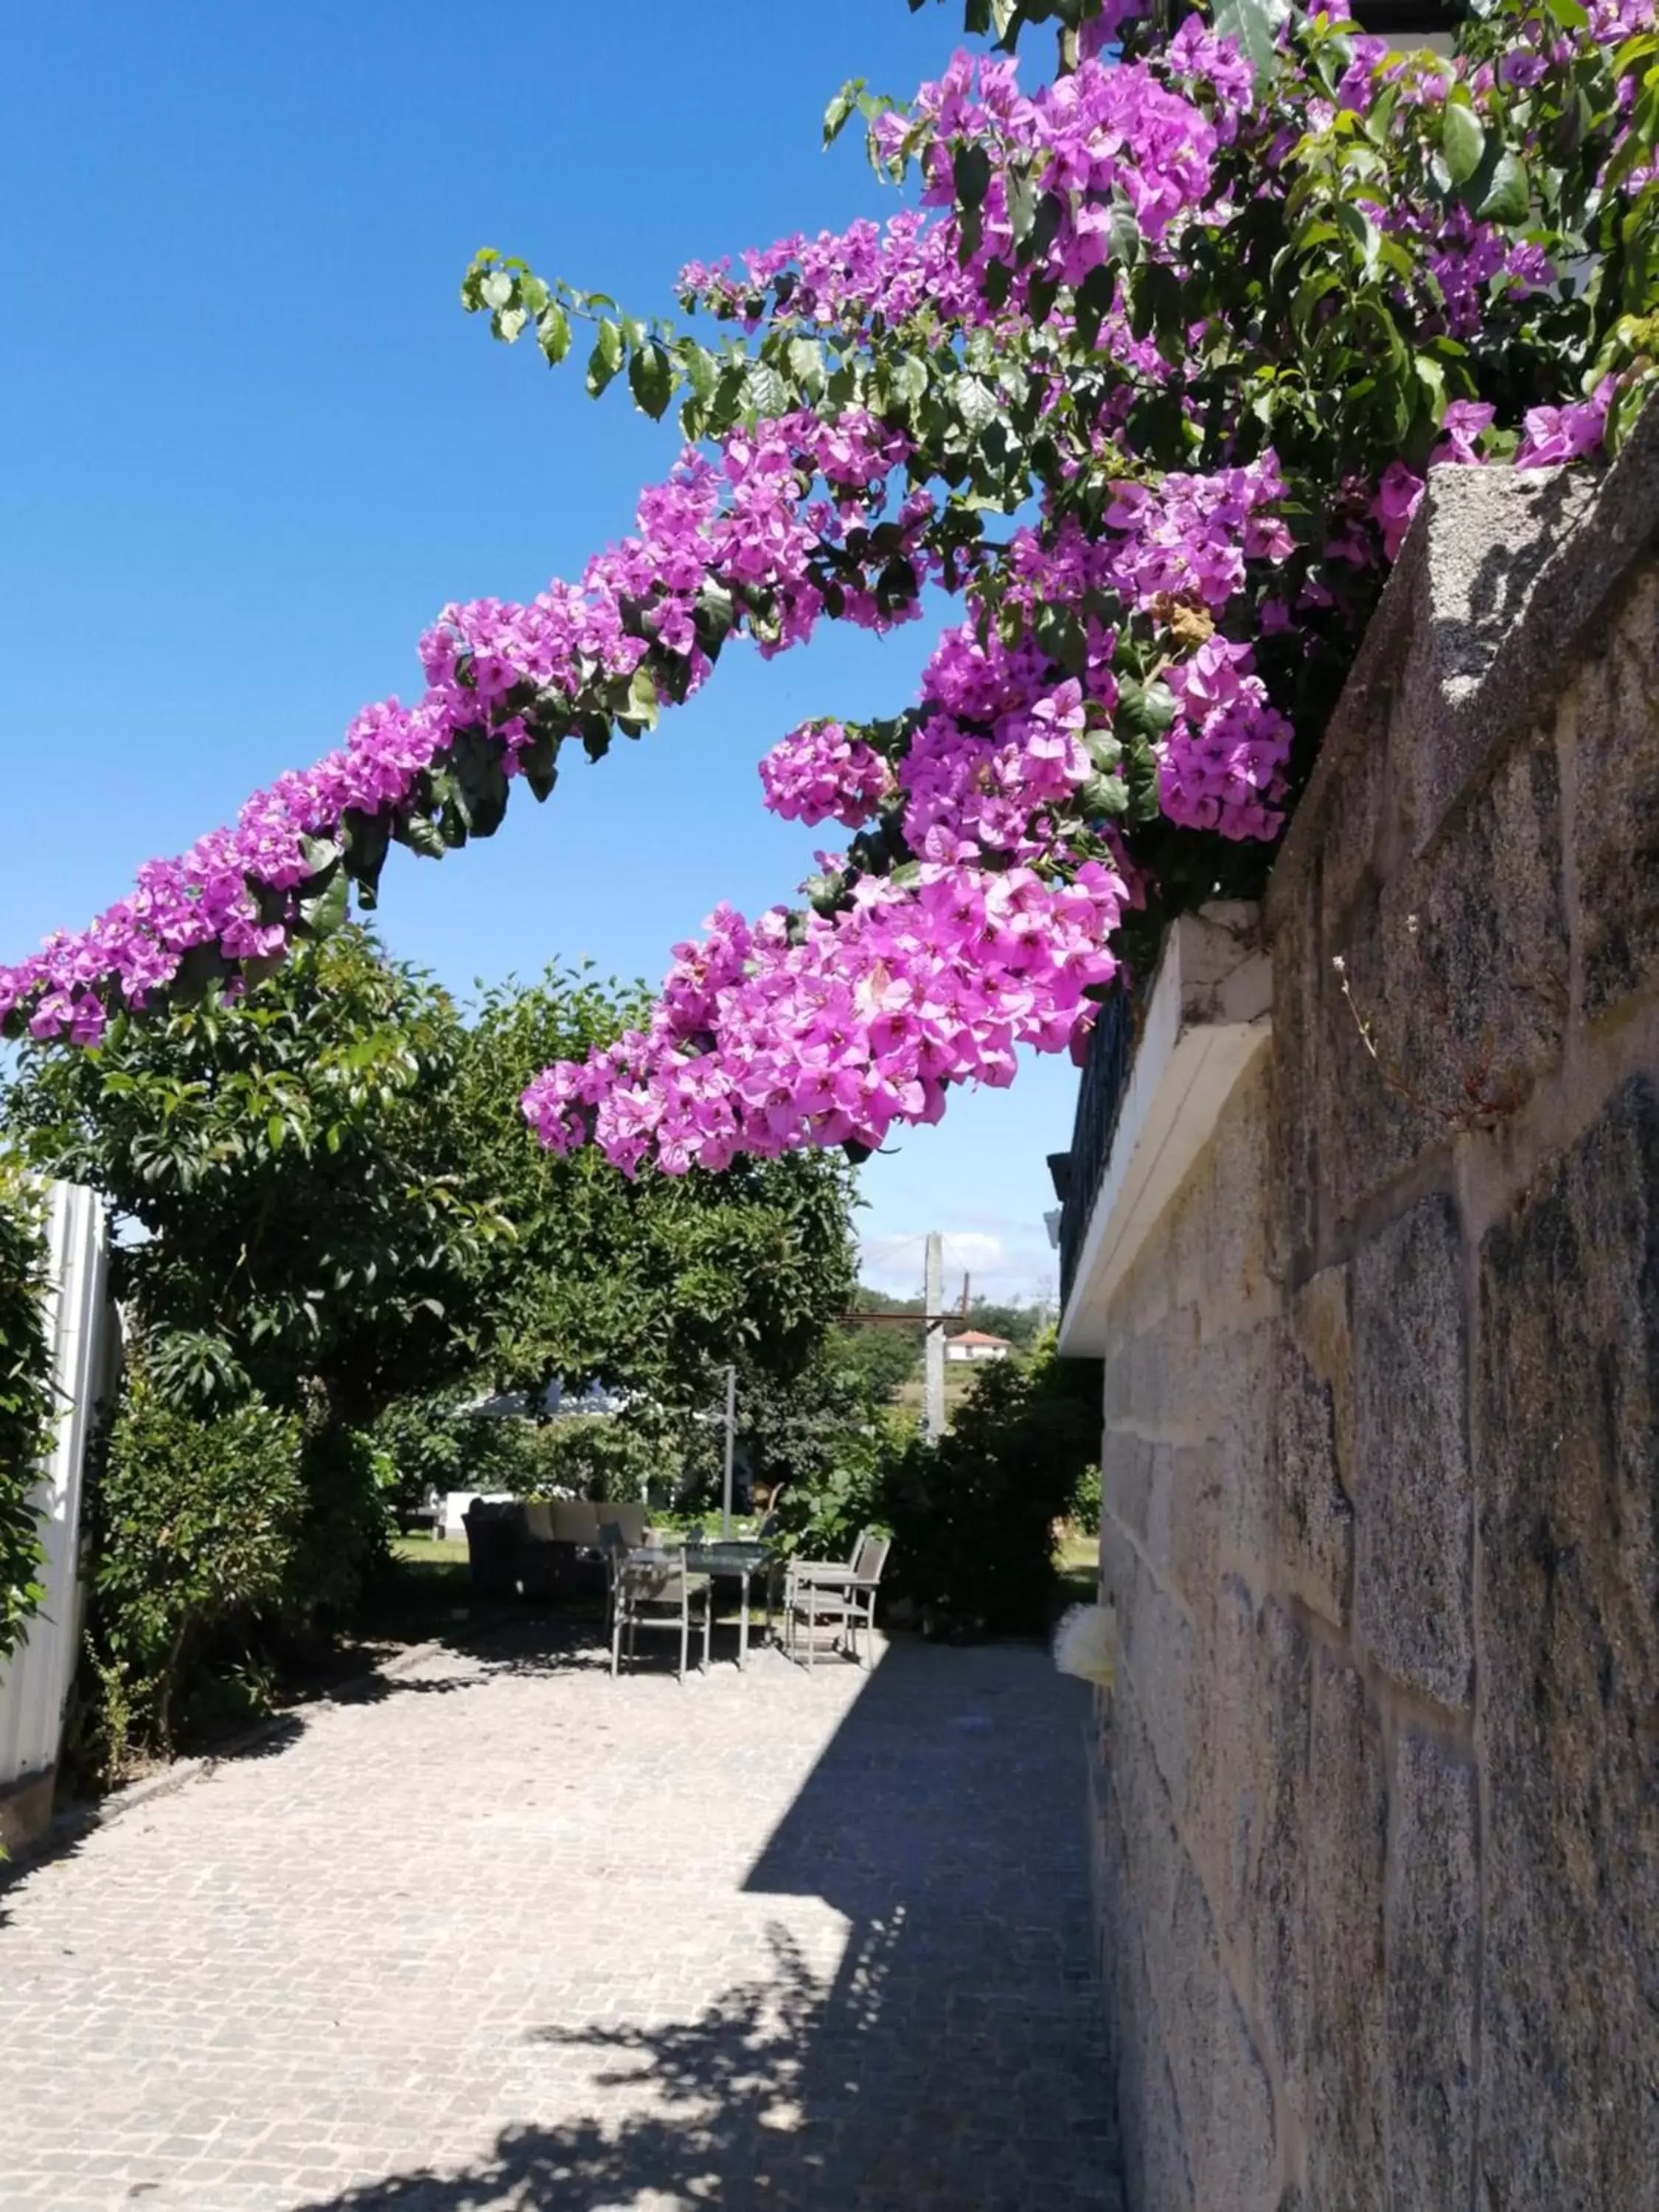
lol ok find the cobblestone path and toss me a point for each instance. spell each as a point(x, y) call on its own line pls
point(507, 1934)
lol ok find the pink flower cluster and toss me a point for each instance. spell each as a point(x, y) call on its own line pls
point(771, 1038)
point(830, 1030)
point(1105, 127)
point(818, 774)
point(1223, 757)
point(752, 522)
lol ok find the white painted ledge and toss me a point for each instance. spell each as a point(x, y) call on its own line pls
point(1210, 1011)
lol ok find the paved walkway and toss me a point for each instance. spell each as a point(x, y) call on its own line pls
point(509, 1935)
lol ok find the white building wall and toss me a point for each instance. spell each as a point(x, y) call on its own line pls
point(84, 1336)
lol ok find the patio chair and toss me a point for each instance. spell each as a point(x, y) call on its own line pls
point(613, 1547)
point(660, 1595)
point(819, 1593)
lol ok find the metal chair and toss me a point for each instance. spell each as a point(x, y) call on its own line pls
point(660, 1594)
point(613, 1548)
point(821, 1593)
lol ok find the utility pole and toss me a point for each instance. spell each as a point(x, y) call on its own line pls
point(933, 1418)
point(731, 1446)
point(966, 1279)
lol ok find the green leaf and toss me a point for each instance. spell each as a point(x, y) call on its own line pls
point(1508, 196)
point(805, 359)
point(1144, 711)
point(1022, 193)
point(836, 115)
point(508, 323)
point(496, 290)
point(1462, 141)
point(422, 836)
point(651, 378)
point(977, 406)
point(764, 390)
point(970, 170)
point(553, 333)
point(642, 709)
point(605, 359)
point(1255, 24)
point(1094, 296)
point(323, 911)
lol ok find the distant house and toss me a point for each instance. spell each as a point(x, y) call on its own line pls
point(974, 1344)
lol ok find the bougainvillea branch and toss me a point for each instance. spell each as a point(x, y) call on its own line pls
point(1185, 327)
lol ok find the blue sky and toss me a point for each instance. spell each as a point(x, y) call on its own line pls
point(252, 444)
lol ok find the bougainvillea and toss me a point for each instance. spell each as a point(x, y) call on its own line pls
point(1188, 321)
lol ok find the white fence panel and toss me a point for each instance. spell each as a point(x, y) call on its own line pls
point(84, 1337)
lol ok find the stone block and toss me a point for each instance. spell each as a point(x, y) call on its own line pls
point(1220, 1815)
point(1365, 1137)
point(1126, 1474)
point(1283, 1799)
point(1220, 2083)
point(1313, 1519)
point(1226, 1262)
point(1235, 1370)
point(1115, 1393)
point(1151, 1844)
point(1568, 1475)
point(1614, 708)
point(1162, 1506)
point(1487, 962)
point(1192, 1535)
point(1414, 1500)
point(1234, 2159)
point(1299, 978)
point(1492, 535)
point(1347, 1832)
point(1157, 2176)
point(1157, 1644)
point(1434, 1918)
point(1120, 1565)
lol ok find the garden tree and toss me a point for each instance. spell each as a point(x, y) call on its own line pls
point(1021, 1324)
point(1148, 380)
point(296, 1211)
point(652, 1285)
point(884, 1358)
point(337, 1209)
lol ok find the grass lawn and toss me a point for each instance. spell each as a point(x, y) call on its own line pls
point(430, 1551)
point(1078, 1562)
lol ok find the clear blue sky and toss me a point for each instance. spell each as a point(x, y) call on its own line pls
point(252, 444)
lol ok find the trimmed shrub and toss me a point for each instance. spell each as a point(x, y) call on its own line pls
point(197, 1525)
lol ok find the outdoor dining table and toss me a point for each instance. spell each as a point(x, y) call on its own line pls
point(722, 1558)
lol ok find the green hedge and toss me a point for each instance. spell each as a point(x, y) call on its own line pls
point(974, 1517)
point(25, 1398)
point(197, 1523)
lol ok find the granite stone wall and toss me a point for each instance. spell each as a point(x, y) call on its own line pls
point(1377, 1828)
